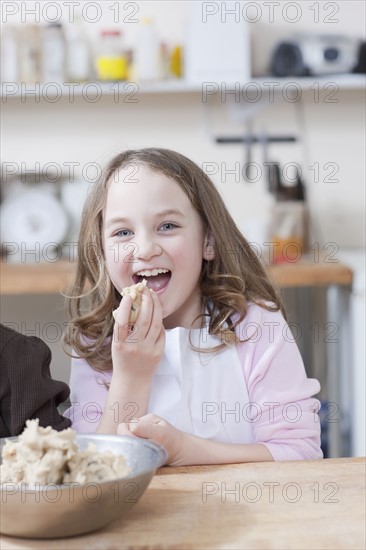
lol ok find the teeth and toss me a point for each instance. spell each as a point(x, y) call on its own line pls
point(151, 272)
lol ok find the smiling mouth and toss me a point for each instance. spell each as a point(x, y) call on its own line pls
point(156, 279)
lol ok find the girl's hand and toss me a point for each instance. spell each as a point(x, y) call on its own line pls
point(159, 431)
point(137, 349)
point(185, 449)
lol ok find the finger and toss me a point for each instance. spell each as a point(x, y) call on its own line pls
point(145, 313)
point(124, 429)
point(122, 313)
point(148, 426)
point(122, 327)
point(152, 298)
point(158, 310)
point(148, 418)
point(156, 324)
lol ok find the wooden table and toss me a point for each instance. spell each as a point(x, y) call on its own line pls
point(298, 505)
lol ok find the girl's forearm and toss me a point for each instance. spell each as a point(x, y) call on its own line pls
point(127, 399)
point(202, 451)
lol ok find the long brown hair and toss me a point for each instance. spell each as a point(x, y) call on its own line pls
point(228, 283)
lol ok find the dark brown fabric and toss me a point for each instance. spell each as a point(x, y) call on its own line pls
point(26, 387)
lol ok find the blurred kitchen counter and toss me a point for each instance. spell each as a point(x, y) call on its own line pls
point(35, 278)
point(50, 278)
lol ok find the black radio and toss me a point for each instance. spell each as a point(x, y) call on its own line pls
point(316, 55)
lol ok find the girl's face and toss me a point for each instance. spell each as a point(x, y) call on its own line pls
point(152, 231)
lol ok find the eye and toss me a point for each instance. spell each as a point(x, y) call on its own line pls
point(168, 226)
point(123, 233)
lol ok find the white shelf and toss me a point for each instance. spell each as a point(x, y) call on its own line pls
point(344, 81)
point(14, 90)
point(50, 91)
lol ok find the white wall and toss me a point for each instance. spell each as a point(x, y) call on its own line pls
point(329, 132)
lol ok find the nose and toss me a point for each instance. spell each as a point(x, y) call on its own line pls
point(147, 248)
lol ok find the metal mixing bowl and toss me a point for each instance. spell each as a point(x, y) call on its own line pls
point(51, 511)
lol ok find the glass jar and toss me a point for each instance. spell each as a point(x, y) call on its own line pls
point(29, 54)
point(9, 54)
point(53, 54)
point(111, 61)
point(288, 230)
point(78, 59)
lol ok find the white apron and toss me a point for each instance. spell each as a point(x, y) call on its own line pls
point(204, 394)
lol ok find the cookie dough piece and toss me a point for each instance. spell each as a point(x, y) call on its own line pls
point(135, 291)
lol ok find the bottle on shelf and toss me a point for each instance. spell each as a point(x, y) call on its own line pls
point(164, 61)
point(53, 53)
point(29, 54)
point(289, 218)
point(147, 63)
point(9, 54)
point(111, 60)
point(176, 62)
point(78, 56)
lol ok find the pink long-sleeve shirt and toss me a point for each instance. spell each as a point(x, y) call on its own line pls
point(255, 392)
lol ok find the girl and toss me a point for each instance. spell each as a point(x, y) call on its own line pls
point(209, 370)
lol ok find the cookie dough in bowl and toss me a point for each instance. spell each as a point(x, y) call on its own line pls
point(61, 484)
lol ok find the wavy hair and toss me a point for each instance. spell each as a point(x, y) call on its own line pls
point(228, 282)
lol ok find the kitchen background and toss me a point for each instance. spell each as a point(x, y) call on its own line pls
point(193, 91)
